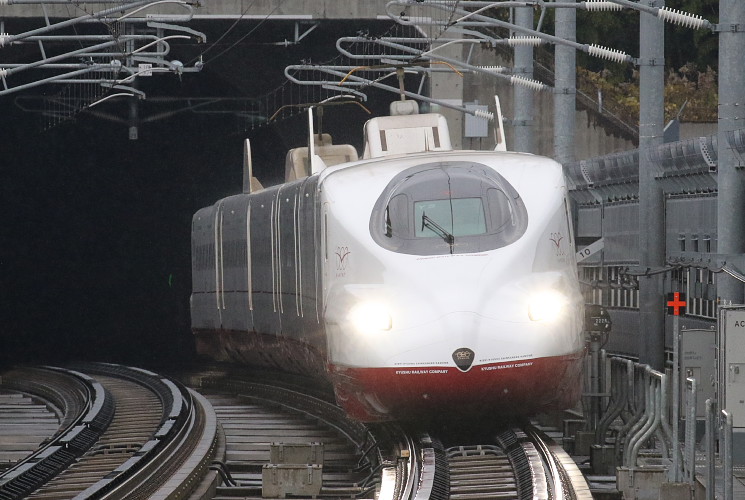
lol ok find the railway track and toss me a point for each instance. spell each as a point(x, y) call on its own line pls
point(237, 437)
point(383, 462)
point(123, 433)
point(25, 423)
point(261, 422)
point(505, 463)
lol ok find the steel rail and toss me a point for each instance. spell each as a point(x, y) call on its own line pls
point(256, 413)
point(172, 441)
point(564, 478)
point(171, 445)
point(136, 415)
point(554, 477)
point(137, 453)
point(412, 471)
point(86, 416)
point(119, 453)
point(356, 432)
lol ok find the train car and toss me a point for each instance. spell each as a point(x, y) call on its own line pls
point(417, 279)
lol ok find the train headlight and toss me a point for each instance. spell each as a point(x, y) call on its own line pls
point(546, 306)
point(370, 317)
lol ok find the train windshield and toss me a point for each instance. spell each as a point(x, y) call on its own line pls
point(457, 217)
point(454, 207)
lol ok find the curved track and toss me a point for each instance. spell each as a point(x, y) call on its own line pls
point(138, 412)
point(26, 422)
point(130, 434)
point(381, 462)
point(255, 416)
point(243, 438)
point(513, 463)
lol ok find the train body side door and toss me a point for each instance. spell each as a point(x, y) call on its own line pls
point(233, 251)
point(263, 240)
point(298, 267)
point(289, 295)
point(205, 313)
point(309, 244)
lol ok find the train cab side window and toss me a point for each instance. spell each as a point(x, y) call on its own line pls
point(396, 221)
point(500, 209)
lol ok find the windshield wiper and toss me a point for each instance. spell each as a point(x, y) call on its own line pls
point(441, 231)
point(388, 226)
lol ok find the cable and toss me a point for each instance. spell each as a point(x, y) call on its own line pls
point(235, 23)
point(734, 273)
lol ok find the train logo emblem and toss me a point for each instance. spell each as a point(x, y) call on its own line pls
point(556, 239)
point(463, 358)
point(341, 258)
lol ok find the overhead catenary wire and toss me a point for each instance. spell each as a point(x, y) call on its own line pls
point(480, 20)
point(733, 272)
point(214, 44)
point(533, 84)
point(355, 80)
point(667, 14)
point(676, 266)
point(306, 94)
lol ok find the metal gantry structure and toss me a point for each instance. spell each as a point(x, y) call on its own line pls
point(115, 47)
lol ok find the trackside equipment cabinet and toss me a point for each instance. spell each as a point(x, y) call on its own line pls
point(731, 373)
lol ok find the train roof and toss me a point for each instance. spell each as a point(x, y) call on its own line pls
point(466, 154)
point(403, 139)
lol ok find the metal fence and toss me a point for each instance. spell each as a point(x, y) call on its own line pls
point(635, 424)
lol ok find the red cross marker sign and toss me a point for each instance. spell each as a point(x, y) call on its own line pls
point(676, 303)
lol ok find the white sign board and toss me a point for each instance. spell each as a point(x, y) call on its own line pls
point(144, 69)
point(590, 250)
point(731, 362)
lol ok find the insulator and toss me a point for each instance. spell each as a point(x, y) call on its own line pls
point(681, 18)
point(492, 69)
point(600, 5)
point(3, 72)
point(487, 115)
point(527, 82)
point(523, 41)
point(4, 39)
point(606, 53)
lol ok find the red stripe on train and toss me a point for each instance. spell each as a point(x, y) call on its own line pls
point(521, 387)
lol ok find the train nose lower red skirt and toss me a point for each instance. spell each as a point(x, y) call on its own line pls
point(520, 387)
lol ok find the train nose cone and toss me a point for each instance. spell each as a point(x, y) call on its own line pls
point(463, 358)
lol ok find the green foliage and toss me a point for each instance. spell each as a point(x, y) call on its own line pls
point(688, 86)
point(696, 89)
point(691, 59)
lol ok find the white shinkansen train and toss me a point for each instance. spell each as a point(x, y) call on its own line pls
point(417, 279)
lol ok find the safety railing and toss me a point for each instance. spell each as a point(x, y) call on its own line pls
point(636, 412)
point(636, 417)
